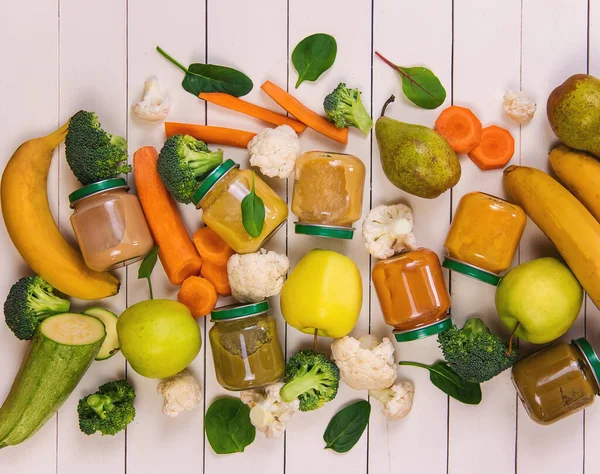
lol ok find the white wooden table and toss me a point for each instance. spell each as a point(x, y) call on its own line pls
point(65, 55)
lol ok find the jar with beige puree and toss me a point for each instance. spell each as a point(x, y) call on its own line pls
point(109, 225)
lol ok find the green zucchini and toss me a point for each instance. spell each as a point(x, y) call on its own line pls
point(110, 346)
point(62, 349)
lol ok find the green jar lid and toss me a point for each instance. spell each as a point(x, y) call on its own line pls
point(236, 311)
point(425, 331)
point(212, 179)
point(590, 355)
point(470, 270)
point(96, 188)
point(329, 231)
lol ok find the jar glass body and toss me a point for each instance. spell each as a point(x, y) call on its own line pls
point(111, 229)
point(246, 352)
point(222, 210)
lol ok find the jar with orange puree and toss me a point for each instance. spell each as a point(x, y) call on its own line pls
point(484, 237)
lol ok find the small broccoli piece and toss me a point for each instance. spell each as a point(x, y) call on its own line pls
point(474, 352)
point(93, 154)
point(109, 410)
point(311, 378)
point(29, 301)
point(183, 162)
point(344, 108)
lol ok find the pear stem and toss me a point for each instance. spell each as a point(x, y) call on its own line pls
point(512, 336)
point(387, 102)
point(315, 338)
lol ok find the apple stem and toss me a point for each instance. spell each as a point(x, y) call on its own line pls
point(512, 336)
point(316, 336)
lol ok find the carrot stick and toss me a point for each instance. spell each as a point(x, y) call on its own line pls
point(208, 134)
point(495, 150)
point(176, 251)
point(304, 114)
point(460, 127)
point(217, 275)
point(199, 295)
point(233, 103)
point(211, 247)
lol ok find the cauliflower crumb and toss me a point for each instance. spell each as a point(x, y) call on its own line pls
point(256, 276)
point(397, 400)
point(274, 151)
point(387, 230)
point(519, 106)
point(268, 413)
point(182, 392)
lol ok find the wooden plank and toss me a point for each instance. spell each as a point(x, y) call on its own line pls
point(31, 110)
point(419, 442)
point(554, 47)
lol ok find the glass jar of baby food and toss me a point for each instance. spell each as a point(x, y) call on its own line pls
point(220, 197)
point(484, 236)
point(109, 225)
point(413, 294)
point(558, 380)
point(328, 194)
point(245, 346)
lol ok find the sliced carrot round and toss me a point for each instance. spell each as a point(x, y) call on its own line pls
point(460, 127)
point(211, 247)
point(199, 295)
point(495, 150)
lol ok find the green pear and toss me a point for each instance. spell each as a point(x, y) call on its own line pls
point(414, 158)
point(574, 112)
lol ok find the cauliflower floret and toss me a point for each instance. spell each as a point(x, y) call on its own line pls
point(397, 400)
point(181, 391)
point(387, 230)
point(256, 276)
point(519, 106)
point(268, 413)
point(365, 363)
point(153, 107)
point(274, 151)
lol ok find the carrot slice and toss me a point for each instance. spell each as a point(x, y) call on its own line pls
point(233, 103)
point(176, 251)
point(496, 148)
point(199, 295)
point(211, 247)
point(208, 134)
point(460, 127)
point(304, 114)
point(217, 275)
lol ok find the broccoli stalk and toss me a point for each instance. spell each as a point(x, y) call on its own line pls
point(344, 108)
point(109, 410)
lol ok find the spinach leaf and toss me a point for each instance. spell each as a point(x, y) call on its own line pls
point(211, 78)
point(449, 382)
point(313, 56)
point(347, 426)
point(253, 212)
point(147, 266)
point(420, 85)
point(228, 426)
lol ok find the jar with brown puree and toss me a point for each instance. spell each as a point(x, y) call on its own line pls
point(558, 381)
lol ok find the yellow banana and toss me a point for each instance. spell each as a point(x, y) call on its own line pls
point(570, 226)
point(580, 173)
point(32, 228)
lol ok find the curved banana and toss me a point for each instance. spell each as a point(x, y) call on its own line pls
point(32, 228)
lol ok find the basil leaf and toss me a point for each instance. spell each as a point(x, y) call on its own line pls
point(147, 266)
point(253, 212)
point(347, 426)
point(313, 56)
point(228, 427)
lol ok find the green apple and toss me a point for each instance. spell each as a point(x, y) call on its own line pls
point(159, 338)
point(543, 296)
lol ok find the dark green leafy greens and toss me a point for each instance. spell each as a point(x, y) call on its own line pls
point(449, 382)
point(313, 56)
point(347, 426)
point(228, 426)
point(420, 85)
point(253, 212)
point(212, 78)
point(147, 266)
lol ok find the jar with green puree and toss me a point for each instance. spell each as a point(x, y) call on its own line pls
point(245, 346)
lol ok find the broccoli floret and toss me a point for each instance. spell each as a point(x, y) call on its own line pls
point(29, 302)
point(93, 154)
point(344, 108)
point(183, 162)
point(311, 378)
point(474, 352)
point(109, 410)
